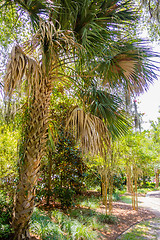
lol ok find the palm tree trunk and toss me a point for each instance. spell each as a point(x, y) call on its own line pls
point(31, 152)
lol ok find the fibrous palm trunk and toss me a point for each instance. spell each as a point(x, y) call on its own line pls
point(30, 156)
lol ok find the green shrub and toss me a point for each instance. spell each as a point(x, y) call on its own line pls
point(65, 196)
point(104, 218)
point(5, 216)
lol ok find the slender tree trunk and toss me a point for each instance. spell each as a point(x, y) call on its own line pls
point(136, 195)
point(106, 202)
point(129, 179)
point(49, 178)
point(133, 194)
point(103, 189)
point(157, 178)
point(110, 193)
point(31, 152)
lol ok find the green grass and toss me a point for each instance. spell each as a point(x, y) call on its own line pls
point(92, 202)
point(126, 199)
point(144, 230)
point(146, 190)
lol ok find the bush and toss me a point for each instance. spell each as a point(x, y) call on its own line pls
point(65, 196)
point(5, 216)
point(104, 218)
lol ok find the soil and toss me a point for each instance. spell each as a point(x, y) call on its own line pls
point(126, 218)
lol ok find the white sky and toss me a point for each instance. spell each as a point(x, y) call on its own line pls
point(149, 102)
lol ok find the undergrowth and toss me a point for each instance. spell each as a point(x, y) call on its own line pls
point(75, 224)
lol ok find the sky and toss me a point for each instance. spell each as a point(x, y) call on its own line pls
point(149, 102)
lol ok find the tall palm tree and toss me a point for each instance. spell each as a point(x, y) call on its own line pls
point(83, 36)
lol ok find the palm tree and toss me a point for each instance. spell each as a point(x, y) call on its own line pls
point(77, 42)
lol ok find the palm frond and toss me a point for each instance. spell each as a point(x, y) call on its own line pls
point(21, 65)
point(108, 108)
point(90, 130)
point(130, 66)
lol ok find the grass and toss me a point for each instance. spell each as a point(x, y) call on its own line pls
point(145, 190)
point(126, 199)
point(92, 201)
point(144, 230)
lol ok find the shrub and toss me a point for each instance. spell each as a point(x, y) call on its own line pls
point(5, 216)
point(104, 218)
point(65, 195)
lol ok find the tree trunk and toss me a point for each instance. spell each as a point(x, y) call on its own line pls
point(136, 194)
point(110, 192)
point(31, 152)
point(157, 178)
point(129, 179)
point(103, 189)
point(49, 178)
point(106, 202)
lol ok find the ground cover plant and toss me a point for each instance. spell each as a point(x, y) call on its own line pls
point(81, 222)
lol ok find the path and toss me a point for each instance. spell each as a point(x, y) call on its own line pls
point(151, 202)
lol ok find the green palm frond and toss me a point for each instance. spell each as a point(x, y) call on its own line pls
point(130, 66)
point(108, 108)
point(98, 21)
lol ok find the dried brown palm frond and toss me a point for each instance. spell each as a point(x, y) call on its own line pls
point(49, 37)
point(130, 69)
point(20, 66)
point(90, 130)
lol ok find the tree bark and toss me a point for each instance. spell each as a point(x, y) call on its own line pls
point(106, 202)
point(31, 152)
point(110, 192)
point(129, 179)
point(49, 178)
point(157, 178)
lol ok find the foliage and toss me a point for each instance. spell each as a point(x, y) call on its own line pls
point(91, 201)
point(6, 207)
point(150, 17)
point(63, 227)
point(8, 157)
point(90, 48)
point(65, 195)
